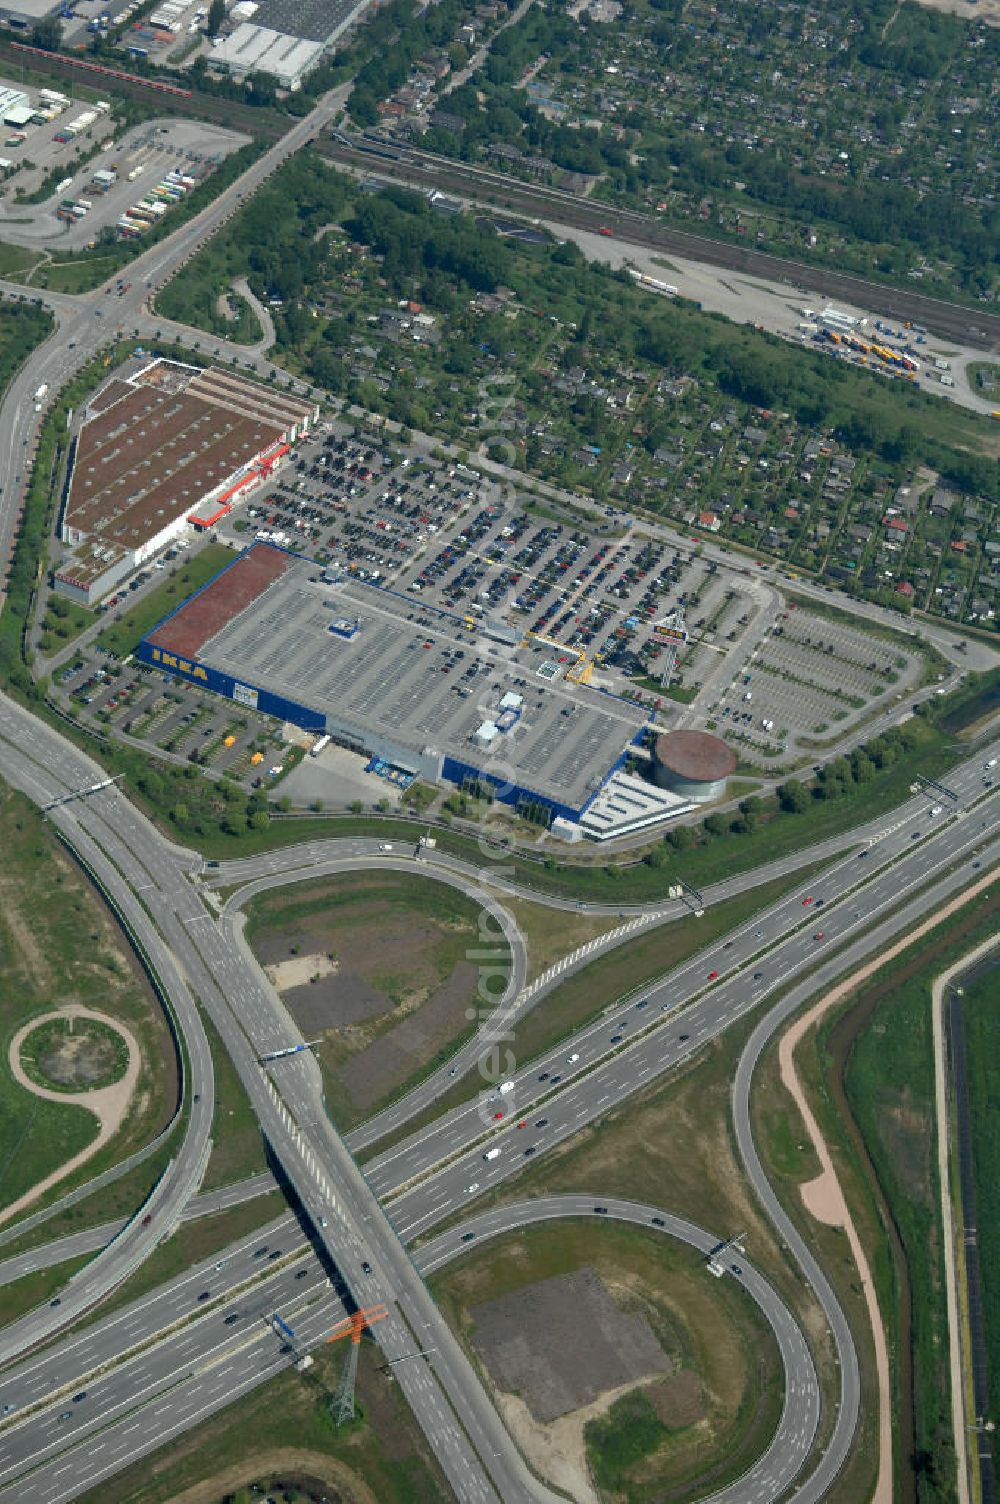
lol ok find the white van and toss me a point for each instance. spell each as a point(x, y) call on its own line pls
point(492, 1154)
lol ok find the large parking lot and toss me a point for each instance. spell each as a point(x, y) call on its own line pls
point(776, 682)
point(174, 716)
point(139, 160)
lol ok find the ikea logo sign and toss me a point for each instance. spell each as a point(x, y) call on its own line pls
point(180, 665)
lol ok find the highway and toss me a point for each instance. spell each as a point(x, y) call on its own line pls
point(944, 840)
point(201, 961)
point(884, 837)
point(449, 1400)
point(49, 1435)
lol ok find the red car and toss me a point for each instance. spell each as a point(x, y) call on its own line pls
point(712, 975)
point(523, 1123)
point(806, 902)
point(605, 230)
point(497, 1115)
point(819, 935)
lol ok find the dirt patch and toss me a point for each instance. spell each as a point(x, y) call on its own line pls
point(391, 1059)
point(558, 1451)
point(77, 1060)
point(299, 970)
point(678, 1401)
point(562, 1343)
point(985, 10)
point(336, 1482)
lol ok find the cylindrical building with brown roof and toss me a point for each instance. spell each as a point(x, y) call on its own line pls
point(693, 764)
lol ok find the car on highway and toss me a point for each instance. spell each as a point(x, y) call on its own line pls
point(544, 1076)
point(234, 1318)
point(147, 1219)
point(757, 975)
point(601, 1211)
point(301, 1273)
point(683, 1038)
point(497, 1116)
point(657, 1221)
point(643, 1002)
point(82, 1395)
point(66, 1415)
point(712, 975)
point(205, 1295)
point(616, 1039)
point(259, 1253)
point(470, 1189)
point(807, 901)
point(9, 1409)
point(467, 1237)
point(820, 935)
point(523, 1123)
point(529, 1151)
point(572, 1059)
point(366, 1268)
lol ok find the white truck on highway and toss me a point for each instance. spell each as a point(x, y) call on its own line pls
point(42, 392)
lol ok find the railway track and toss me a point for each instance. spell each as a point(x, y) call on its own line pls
point(403, 164)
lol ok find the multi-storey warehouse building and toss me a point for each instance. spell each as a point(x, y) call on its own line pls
point(421, 689)
point(169, 448)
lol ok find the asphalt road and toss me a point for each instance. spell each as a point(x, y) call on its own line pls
point(147, 879)
point(90, 1239)
point(785, 1456)
point(886, 836)
point(970, 825)
point(50, 1440)
point(449, 1401)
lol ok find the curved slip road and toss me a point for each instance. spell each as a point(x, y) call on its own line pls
point(776, 1469)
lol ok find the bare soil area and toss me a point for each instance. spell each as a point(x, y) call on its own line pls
point(562, 1343)
point(985, 10)
point(297, 971)
point(370, 1076)
point(378, 970)
point(78, 1061)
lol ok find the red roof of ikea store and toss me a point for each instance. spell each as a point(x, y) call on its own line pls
point(198, 620)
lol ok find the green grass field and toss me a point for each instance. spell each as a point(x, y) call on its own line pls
point(981, 1016)
point(882, 1045)
point(58, 945)
point(123, 637)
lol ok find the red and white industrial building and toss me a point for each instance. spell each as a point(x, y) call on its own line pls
point(171, 448)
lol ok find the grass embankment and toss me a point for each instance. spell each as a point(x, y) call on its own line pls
point(381, 1459)
point(58, 945)
point(237, 1145)
point(123, 637)
point(384, 967)
point(604, 982)
point(869, 1071)
point(709, 1330)
point(551, 934)
point(23, 1295)
point(981, 1021)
